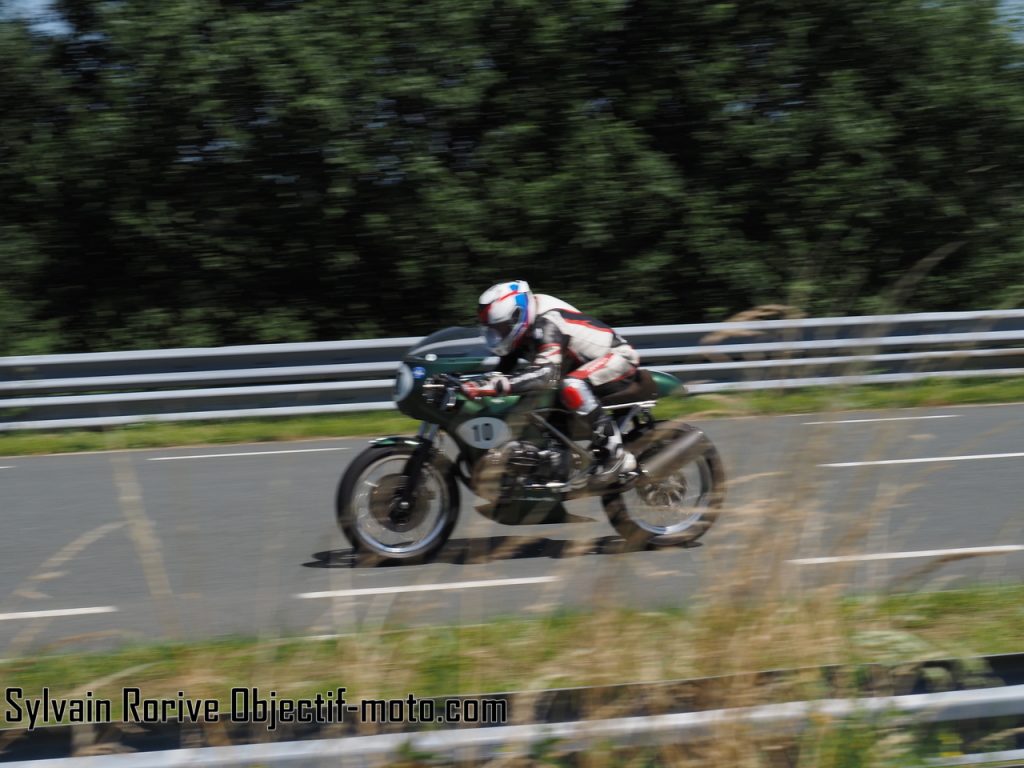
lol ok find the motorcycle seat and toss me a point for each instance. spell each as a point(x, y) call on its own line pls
point(641, 388)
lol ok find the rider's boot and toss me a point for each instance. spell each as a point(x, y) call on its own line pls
point(612, 454)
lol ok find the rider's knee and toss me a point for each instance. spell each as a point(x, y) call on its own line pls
point(577, 396)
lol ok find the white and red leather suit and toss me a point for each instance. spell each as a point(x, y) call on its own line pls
point(584, 356)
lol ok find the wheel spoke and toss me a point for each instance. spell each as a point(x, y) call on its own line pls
point(673, 505)
point(374, 507)
point(674, 509)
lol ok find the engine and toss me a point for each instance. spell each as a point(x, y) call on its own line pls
point(517, 467)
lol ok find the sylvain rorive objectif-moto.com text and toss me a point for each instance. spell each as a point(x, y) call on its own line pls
point(244, 705)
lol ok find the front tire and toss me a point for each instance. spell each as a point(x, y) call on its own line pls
point(677, 510)
point(366, 513)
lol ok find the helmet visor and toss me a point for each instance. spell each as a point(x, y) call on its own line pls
point(502, 329)
point(492, 338)
point(499, 335)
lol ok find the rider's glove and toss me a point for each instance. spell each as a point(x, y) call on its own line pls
point(496, 385)
point(475, 390)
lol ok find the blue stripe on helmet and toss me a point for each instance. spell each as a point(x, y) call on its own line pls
point(523, 302)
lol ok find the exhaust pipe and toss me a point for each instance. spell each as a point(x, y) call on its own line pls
point(675, 455)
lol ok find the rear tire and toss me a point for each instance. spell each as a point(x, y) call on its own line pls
point(688, 502)
point(363, 506)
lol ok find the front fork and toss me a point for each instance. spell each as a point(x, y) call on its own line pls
point(414, 468)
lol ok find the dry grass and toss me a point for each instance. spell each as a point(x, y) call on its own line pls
point(754, 612)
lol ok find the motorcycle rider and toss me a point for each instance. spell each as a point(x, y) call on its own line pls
point(581, 355)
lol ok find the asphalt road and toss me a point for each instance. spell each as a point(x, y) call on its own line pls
point(189, 543)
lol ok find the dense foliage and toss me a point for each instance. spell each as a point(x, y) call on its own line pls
point(195, 172)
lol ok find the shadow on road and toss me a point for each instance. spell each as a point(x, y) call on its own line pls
point(487, 550)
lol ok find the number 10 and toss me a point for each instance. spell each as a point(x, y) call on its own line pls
point(483, 433)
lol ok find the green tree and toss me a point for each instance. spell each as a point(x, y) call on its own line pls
point(195, 173)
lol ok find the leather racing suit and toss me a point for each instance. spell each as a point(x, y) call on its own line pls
point(584, 356)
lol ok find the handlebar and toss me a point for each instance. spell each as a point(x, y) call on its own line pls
point(451, 385)
point(442, 381)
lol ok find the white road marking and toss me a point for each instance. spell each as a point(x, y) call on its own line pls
point(6, 467)
point(926, 460)
point(892, 418)
point(57, 612)
point(429, 587)
point(248, 453)
point(966, 551)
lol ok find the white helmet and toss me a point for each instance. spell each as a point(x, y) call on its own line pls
point(506, 312)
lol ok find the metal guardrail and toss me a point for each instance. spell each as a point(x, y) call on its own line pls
point(110, 388)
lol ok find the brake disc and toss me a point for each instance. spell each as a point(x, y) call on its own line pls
point(664, 494)
point(384, 501)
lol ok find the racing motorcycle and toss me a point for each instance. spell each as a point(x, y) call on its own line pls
point(522, 454)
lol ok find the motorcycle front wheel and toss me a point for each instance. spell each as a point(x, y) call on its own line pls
point(677, 509)
point(368, 512)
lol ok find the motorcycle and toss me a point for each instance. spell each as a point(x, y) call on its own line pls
point(399, 499)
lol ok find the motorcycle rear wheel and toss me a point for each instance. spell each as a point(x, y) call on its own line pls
point(367, 514)
point(677, 510)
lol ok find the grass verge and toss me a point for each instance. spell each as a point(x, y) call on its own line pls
point(569, 649)
point(936, 392)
